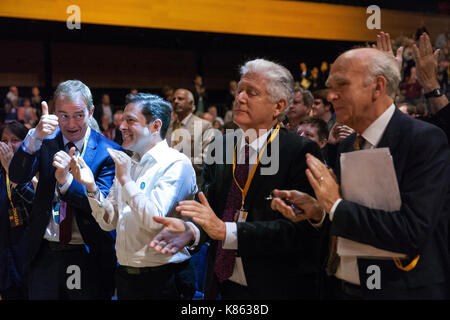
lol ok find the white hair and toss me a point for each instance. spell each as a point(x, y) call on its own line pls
point(386, 66)
point(280, 83)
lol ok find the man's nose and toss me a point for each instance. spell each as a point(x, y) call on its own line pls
point(122, 125)
point(331, 96)
point(72, 122)
point(240, 96)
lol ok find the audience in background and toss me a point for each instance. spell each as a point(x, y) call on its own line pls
point(410, 99)
point(300, 108)
point(322, 108)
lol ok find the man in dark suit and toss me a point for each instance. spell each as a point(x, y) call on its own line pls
point(363, 83)
point(68, 255)
point(255, 253)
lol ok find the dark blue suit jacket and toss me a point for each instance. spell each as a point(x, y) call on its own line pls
point(24, 166)
point(421, 157)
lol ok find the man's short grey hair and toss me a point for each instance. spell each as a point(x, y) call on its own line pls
point(280, 83)
point(307, 96)
point(386, 66)
point(72, 89)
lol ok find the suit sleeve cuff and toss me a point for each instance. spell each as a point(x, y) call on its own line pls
point(318, 224)
point(63, 189)
point(31, 144)
point(333, 208)
point(231, 239)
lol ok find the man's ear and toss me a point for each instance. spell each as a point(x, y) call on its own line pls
point(380, 87)
point(92, 111)
point(155, 125)
point(280, 107)
point(322, 143)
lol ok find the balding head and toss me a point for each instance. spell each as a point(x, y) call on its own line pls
point(373, 63)
point(362, 85)
point(183, 103)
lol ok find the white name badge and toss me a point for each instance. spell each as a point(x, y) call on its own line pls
point(240, 216)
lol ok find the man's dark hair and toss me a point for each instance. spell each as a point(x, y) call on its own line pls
point(322, 95)
point(321, 125)
point(152, 107)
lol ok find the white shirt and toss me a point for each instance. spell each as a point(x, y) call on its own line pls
point(31, 145)
point(231, 238)
point(372, 136)
point(161, 179)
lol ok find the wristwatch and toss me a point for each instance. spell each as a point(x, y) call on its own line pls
point(93, 194)
point(436, 93)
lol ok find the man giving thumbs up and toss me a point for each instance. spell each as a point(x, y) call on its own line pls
point(61, 224)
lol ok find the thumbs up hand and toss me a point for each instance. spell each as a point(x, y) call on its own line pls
point(48, 123)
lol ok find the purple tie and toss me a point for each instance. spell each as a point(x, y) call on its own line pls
point(65, 216)
point(225, 259)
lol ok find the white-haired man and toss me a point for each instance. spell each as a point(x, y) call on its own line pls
point(255, 253)
point(362, 85)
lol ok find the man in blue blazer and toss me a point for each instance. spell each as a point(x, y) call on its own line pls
point(363, 83)
point(68, 255)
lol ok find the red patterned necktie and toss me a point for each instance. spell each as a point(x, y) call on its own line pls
point(224, 264)
point(65, 216)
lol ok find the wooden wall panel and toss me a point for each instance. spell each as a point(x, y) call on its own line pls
point(122, 67)
point(22, 62)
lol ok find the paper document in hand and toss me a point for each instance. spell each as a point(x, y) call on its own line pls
point(368, 178)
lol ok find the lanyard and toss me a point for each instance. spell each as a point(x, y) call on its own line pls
point(409, 267)
point(8, 189)
point(252, 173)
point(85, 143)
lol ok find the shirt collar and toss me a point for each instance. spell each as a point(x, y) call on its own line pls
point(156, 153)
point(186, 119)
point(79, 143)
point(376, 130)
point(256, 144)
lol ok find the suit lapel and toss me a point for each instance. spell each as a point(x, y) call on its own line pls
point(259, 179)
point(89, 155)
point(224, 174)
point(53, 146)
point(390, 136)
point(56, 144)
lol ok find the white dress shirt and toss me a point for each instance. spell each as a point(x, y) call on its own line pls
point(31, 145)
point(372, 136)
point(161, 179)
